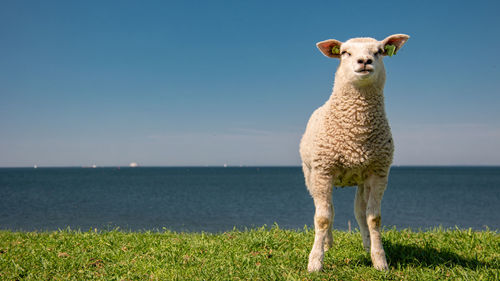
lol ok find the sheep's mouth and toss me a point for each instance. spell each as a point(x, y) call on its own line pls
point(364, 71)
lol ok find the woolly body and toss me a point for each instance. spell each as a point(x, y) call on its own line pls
point(348, 142)
point(349, 136)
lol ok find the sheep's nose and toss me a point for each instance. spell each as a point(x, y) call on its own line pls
point(365, 61)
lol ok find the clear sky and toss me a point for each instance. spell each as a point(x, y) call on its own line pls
point(213, 82)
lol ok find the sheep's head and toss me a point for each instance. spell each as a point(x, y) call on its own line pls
point(361, 58)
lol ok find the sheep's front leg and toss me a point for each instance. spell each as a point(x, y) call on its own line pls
point(377, 187)
point(360, 202)
point(321, 191)
point(329, 235)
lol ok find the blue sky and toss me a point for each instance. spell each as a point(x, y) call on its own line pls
point(214, 82)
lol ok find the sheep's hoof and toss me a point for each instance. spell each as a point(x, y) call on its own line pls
point(314, 266)
point(380, 263)
point(381, 266)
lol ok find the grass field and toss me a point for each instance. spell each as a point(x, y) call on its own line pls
point(258, 254)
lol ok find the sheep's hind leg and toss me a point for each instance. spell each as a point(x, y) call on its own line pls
point(360, 202)
point(377, 186)
point(321, 191)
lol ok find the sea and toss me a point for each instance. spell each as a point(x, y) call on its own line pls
point(218, 199)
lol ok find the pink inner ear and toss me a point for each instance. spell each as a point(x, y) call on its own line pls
point(326, 47)
point(396, 40)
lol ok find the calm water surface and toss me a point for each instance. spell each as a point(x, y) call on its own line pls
point(218, 199)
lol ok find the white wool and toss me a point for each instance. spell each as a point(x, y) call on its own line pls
point(348, 142)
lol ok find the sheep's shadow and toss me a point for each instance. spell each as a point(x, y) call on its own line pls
point(412, 255)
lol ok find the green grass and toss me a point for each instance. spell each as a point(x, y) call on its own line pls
point(258, 254)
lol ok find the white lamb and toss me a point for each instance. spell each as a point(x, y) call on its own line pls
point(348, 142)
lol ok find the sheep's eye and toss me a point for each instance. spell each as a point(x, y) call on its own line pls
point(379, 52)
point(344, 52)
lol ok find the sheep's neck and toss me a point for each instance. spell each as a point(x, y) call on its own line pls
point(351, 107)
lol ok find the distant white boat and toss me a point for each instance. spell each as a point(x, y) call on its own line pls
point(94, 166)
point(133, 165)
point(34, 167)
point(225, 165)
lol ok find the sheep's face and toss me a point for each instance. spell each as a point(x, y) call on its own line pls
point(361, 61)
point(361, 58)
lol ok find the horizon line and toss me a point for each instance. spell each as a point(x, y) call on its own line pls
point(238, 166)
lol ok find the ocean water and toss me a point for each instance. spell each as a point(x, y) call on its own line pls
point(219, 199)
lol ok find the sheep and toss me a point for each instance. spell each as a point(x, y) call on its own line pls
point(348, 142)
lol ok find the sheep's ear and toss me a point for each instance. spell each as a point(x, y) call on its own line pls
point(396, 40)
point(330, 48)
